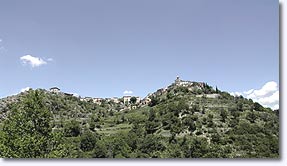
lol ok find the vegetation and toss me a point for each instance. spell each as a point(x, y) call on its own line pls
point(179, 123)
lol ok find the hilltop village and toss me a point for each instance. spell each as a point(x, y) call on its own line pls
point(132, 102)
point(183, 120)
point(127, 102)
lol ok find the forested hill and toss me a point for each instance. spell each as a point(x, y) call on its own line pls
point(184, 120)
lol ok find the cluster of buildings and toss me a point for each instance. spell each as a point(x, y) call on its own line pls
point(180, 82)
point(177, 82)
point(124, 99)
point(127, 99)
point(97, 100)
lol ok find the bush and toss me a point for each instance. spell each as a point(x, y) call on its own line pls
point(88, 141)
point(72, 129)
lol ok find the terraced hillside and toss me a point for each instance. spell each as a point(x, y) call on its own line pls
point(184, 120)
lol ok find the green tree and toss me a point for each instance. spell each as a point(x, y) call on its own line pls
point(195, 147)
point(258, 107)
point(223, 114)
point(151, 143)
point(169, 95)
point(152, 114)
point(27, 132)
point(117, 146)
point(195, 108)
point(152, 126)
point(210, 120)
point(175, 108)
point(251, 116)
point(133, 100)
point(64, 148)
point(154, 101)
point(189, 123)
point(88, 140)
point(167, 120)
point(72, 128)
point(239, 106)
point(234, 112)
point(233, 122)
point(100, 150)
point(176, 126)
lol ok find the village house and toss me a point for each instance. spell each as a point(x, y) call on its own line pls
point(145, 101)
point(160, 91)
point(127, 99)
point(68, 94)
point(108, 99)
point(138, 100)
point(86, 99)
point(115, 100)
point(97, 100)
point(55, 90)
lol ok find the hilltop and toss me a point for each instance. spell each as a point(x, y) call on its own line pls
point(183, 120)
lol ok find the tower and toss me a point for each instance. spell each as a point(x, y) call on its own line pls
point(177, 81)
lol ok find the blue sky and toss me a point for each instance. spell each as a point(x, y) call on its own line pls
point(102, 48)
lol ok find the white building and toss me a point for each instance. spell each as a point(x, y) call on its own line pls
point(138, 100)
point(55, 90)
point(146, 101)
point(86, 99)
point(127, 99)
point(97, 100)
point(177, 80)
point(180, 82)
point(115, 99)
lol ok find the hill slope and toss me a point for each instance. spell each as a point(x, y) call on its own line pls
point(184, 120)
